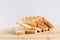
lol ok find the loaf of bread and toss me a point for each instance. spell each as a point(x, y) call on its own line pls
point(34, 24)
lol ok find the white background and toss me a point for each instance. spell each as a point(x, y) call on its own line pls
point(12, 10)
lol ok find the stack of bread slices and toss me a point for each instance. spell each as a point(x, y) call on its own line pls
point(34, 24)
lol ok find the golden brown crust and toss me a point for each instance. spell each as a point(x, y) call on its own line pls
point(30, 31)
point(20, 32)
point(49, 25)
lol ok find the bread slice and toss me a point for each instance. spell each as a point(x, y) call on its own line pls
point(30, 27)
point(18, 31)
point(48, 24)
point(29, 21)
point(30, 31)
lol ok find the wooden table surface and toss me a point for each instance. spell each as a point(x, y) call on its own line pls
point(49, 35)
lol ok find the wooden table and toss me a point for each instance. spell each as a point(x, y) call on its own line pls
point(49, 35)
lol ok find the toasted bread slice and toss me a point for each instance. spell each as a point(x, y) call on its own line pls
point(30, 31)
point(26, 25)
point(41, 24)
point(18, 31)
point(49, 25)
point(29, 21)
